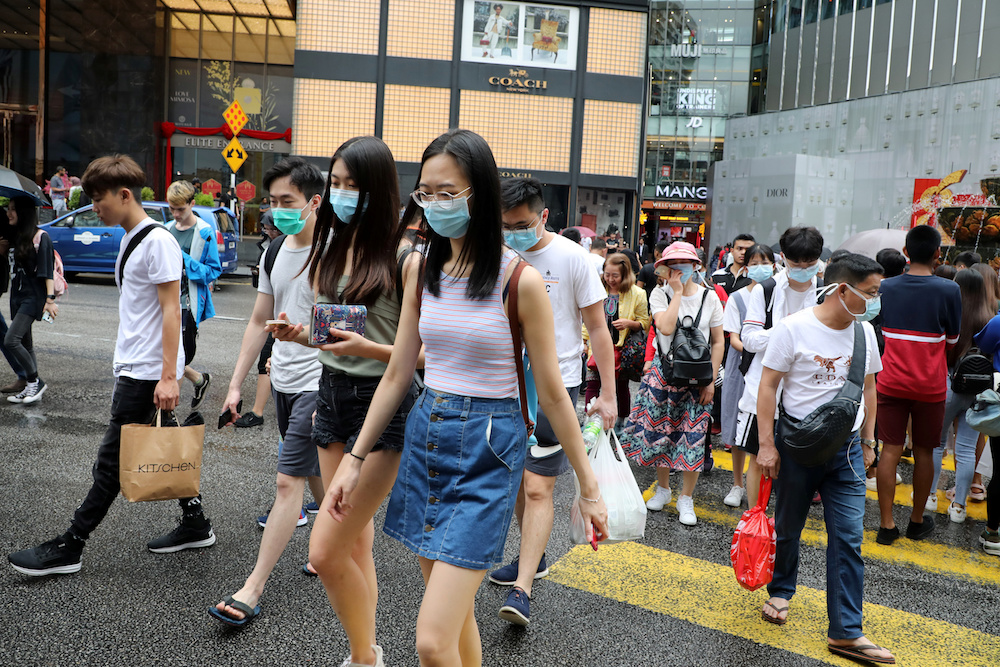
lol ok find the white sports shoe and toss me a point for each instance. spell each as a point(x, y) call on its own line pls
point(872, 484)
point(931, 504)
point(735, 496)
point(660, 499)
point(685, 505)
point(956, 513)
point(378, 659)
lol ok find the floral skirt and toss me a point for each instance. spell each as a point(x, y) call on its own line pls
point(667, 427)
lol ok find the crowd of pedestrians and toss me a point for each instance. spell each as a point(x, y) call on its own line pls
point(458, 400)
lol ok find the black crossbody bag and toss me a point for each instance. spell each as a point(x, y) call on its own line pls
point(817, 437)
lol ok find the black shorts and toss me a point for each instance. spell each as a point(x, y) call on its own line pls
point(746, 433)
point(189, 334)
point(265, 354)
point(341, 407)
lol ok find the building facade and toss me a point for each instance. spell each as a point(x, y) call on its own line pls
point(876, 113)
point(556, 88)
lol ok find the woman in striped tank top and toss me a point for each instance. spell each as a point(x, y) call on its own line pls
point(465, 438)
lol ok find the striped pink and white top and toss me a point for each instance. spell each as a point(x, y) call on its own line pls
point(467, 344)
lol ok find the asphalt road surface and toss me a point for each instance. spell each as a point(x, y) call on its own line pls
point(669, 599)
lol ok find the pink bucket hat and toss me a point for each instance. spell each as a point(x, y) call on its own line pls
point(679, 250)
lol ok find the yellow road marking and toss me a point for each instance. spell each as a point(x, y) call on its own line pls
point(976, 511)
point(968, 564)
point(706, 594)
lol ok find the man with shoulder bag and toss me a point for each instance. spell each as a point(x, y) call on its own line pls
point(827, 357)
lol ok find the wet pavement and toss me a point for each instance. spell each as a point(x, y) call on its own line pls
point(660, 602)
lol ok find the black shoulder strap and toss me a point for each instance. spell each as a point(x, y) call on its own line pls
point(272, 254)
point(856, 374)
point(697, 318)
point(132, 245)
point(768, 286)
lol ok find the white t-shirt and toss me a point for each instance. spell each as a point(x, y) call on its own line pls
point(572, 285)
point(732, 321)
point(294, 368)
point(598, 262)
point(711, 315)
point(816, 360)
point(139, 346)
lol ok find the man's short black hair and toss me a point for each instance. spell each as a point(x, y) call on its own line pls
point(660, 247)
point(921, 243)
point(837, 254)
point(517, 191)
point(893, 262)
point(744, 237)
point(801, 244)
point(852, 269)
point(598, 244)
point(572, 234)
point(306, 177)
point(968, 259)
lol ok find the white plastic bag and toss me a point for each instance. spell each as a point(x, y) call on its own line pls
point(622, 497)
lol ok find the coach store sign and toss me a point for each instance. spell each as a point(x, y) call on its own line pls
point(518, 81)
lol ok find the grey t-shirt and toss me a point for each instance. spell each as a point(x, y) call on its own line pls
point(184, 239)
point(294, 368)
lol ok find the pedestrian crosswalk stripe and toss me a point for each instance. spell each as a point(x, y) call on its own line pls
point(970, 564)
point(706, 594)
point(976, 511)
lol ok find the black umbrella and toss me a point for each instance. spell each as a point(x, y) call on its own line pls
point(13, 184)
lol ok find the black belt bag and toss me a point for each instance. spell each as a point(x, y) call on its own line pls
point(817, 437)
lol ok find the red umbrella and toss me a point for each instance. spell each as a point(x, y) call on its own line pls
point(584, 231)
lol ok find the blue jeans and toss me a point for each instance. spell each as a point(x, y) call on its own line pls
point(965, 445)
point(841, 483)
point(8, 355)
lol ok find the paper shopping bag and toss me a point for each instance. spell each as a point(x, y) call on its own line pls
point(160, 462)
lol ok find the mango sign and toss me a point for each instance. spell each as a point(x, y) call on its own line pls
point(246, 191)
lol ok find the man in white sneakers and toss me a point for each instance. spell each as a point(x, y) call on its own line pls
point(576, 292)
point(148, 360)
point(296, 190)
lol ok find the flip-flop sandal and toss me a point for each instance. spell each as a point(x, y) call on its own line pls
point(977, 495)
point(777, 610)
point(249, 614)
point(858, 653)
point(309, 573)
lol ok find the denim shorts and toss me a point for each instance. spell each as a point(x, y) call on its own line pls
point(454, 496)
point(341, 408)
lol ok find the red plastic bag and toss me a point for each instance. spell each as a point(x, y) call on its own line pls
point(754, 543)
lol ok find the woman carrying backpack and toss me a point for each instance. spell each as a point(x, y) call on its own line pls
point(32, 292)
point(977, 310)
point(668, 425)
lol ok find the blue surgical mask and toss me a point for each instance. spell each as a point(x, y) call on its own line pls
point(760, 272)
point(345, 203)
point(288, 220)
point(873, 305)
point(802, 275)
point(687, 270)
point(521, 240)
point(452, 222)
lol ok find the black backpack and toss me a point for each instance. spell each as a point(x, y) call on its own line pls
point(973, 373)
point(691, 355)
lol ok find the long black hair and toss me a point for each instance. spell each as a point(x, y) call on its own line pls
point(374, 231)
point(484, 239)
point(24, 232)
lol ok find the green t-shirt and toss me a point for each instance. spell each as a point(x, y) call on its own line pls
point(184, 238)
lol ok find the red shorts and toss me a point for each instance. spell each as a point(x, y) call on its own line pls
point(895, 414)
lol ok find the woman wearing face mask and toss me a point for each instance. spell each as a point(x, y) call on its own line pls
point(668, 426)
point(465, 438)
point(977, 311)
point(627, 313)
point(759, 260)
point(358, 256)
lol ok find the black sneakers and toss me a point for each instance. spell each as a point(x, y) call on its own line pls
point(192, 532)
point(58, 556)
point(918, 531)
point(887, 535)
point(200, 390)
point(248, 419)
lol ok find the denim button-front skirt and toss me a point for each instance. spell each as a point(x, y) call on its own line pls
point(454, 497)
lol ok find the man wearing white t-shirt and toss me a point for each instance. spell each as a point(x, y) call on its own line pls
point(576, 292)
point(148, 360)
point(811, 352)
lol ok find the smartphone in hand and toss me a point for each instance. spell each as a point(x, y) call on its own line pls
point(277, 323)
point(227, 416)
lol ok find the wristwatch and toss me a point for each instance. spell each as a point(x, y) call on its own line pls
point(870, 443)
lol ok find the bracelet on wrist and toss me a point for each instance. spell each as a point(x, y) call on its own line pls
point(360, 458)
point(590, 500)
point(867, 441)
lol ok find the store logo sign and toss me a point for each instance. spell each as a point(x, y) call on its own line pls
point(518, 81)
point(696, 99)
point(671, 191)
point(695, 50)
point(86, 238)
